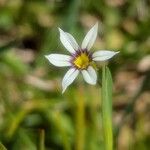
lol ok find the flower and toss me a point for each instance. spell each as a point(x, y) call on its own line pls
point(81, 59)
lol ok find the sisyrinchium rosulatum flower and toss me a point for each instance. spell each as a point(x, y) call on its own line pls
point(81, 59)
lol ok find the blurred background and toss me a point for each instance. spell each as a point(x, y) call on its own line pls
point(33, 112)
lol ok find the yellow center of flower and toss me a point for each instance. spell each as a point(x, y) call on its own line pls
point(82, 61)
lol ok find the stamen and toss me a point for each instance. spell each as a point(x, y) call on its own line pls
point(82, 59)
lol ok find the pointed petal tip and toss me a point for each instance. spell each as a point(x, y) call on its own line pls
point(46, 56)
point(63, 91)
point(60, 30)
point(116, 52)
point(96, 24)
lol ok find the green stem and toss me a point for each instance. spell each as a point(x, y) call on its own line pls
point(107, 108)
point(80, 122)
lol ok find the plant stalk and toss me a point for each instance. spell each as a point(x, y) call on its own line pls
point(107, 108)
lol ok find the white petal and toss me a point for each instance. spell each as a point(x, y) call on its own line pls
point(69, 78)
point(59, 60)
point(90, 75)
point(90, 37)
point(73, 41)
point(68, 41)
point(103, 55)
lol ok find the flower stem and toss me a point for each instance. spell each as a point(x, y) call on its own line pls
point(80, 122)
point(107, 108)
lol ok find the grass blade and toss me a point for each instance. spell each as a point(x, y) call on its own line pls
point(107, 108)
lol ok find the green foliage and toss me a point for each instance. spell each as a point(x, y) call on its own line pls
point(33, 113)
point(107, 108)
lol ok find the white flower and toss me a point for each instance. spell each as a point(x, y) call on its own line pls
point(80, 58)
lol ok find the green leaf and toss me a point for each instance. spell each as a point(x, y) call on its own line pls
point(107, 108)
